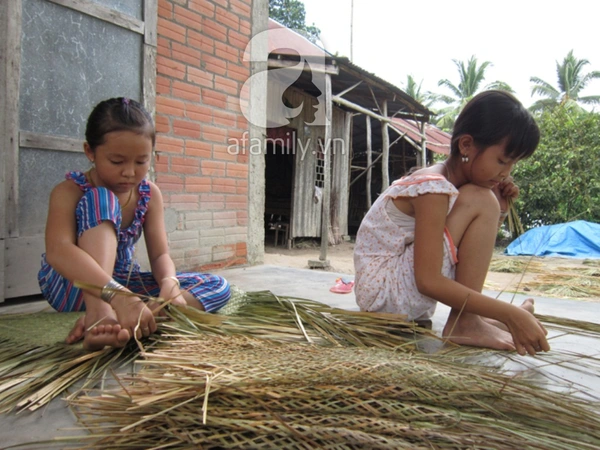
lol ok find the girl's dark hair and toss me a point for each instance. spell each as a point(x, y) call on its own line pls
point(117, 114)
point(492, 116)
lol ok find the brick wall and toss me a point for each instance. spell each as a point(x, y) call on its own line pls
point(199, 78)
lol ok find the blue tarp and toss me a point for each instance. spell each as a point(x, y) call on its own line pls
point(578, 239)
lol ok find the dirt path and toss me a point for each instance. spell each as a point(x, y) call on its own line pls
point(546, 277)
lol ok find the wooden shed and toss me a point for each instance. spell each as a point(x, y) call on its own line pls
point(309, 164)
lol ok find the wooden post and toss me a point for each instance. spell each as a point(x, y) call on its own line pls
point(327, 173)
point(369, 162)
point(385, 149)
point(423, 145)
point(10, 64)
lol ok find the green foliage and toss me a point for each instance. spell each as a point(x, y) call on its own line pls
point(413, 89)
point(560, 182)
point(292, 14)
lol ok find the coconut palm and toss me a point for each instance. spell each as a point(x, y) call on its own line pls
point(413, 89)
point(471, 76)
point(571, 81)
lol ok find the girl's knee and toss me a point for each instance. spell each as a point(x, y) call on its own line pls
point(479, 197)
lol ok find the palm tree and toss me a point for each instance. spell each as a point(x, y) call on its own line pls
point(471, 76)
point(571, 81)
point(413, 89)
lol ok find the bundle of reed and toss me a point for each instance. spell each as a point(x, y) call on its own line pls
point(515, 265)
point(207, 391)
point(37, 366)
point(567, 285)
point(515, 227)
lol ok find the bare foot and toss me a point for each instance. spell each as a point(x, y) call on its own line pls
point(77, 332)
point(99, 333)
point(100, 336)
point(528, 305)
point(471, 329)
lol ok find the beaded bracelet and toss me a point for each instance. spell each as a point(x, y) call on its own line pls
point(110, 290)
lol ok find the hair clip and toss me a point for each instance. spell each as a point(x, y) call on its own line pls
point(125, 101)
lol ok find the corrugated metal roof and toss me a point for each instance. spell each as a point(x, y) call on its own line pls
point(437, 140)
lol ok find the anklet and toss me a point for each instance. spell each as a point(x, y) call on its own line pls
point(110, 290)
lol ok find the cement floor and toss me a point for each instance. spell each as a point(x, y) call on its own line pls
point(57, 420)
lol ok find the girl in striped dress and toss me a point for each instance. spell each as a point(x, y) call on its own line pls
point(94, 220)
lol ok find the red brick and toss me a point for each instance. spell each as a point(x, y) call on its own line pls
point(227, 52)
point(226, 85)
point(170, 106)
point(224, 219)
point(212, 168)
point(238, 40)
point(169, 144)
point(212, 201)
point(240, 8)
point(242, 187)
point(242, 217)
point(198, 149)
point(198, 184)
point(185, 54)
point(171, 30)
point(163, 85)
point(163, 47)
point(214, 64)
point(237, 170)
point(170, 183)
point(228, 19)
point(237, 72)
point(223, 3)
point(233, 104)
point(185, 202)
point(162, 124)
point(214, 134)
point(204, 7)
point(222, 153)
point(165, 9)
point(243, 158)
point(245, 27)
point(236, 202)
point(187, 18)
point(186, 128)
point(213, 98)
point(186, 91)
point(200, 77)
point(167, 66)
point(241, 249)
point(201, 42)
point(224, 186)
point(242, 123)
point(214, 30)
point(198, 113)
point(181, 164)
point(161, 165)
point(224, 118)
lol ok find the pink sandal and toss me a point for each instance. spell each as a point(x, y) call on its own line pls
point(342, 286)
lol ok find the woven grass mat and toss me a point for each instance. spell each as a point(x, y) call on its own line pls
point(49, 327)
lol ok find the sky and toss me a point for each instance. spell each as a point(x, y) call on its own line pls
point(521, 38)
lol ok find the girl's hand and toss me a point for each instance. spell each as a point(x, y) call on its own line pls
point(505, 190)
point(529, 335)
point(131, 311)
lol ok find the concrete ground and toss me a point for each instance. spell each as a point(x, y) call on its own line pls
point(56, 418)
